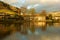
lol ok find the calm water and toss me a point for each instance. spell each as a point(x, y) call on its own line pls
point(32, 31)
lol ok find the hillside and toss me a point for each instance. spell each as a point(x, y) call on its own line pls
point(4, 7)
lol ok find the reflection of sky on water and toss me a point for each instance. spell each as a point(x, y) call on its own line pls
point(50, 34)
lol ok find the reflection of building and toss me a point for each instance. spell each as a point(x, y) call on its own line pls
point(40, 24)
point(57, 25)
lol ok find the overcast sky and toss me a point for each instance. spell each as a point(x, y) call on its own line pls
point(49, 5)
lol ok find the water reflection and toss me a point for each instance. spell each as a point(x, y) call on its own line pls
point(29, 28)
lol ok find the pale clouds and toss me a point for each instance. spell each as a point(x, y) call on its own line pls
point(43, 1)
point(42, 4)
point(50, 1)
point(13, 1)
point(10, 1)
point(33, 1)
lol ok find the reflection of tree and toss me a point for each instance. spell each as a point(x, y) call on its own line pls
point(24, 28)
point(44, 28)
point(32, 29)
point(50, 24)
point(18, 26)
point(4, 30)
point(4, 34)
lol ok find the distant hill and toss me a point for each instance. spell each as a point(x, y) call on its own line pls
point(4, 5)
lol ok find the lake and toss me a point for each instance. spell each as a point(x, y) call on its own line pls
point(31, 31)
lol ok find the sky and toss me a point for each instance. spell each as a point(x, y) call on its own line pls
point(49, 5)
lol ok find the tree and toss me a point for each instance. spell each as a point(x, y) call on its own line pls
point(43, 12)
point(50, 16)
point(32, 11)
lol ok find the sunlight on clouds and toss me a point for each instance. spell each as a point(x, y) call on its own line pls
point(32, 6)
point(33, 1)
point(10, 1)
point(23, 1)
point(43, 1)
point(49, 1)
point(28, 7)
point(36, 5)
point(42, 4)
point(14, 1)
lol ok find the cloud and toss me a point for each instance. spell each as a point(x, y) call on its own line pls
point(10, 1)
point(42, 1)
point(28, 2)
point(49, 1)
point(37, 4)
